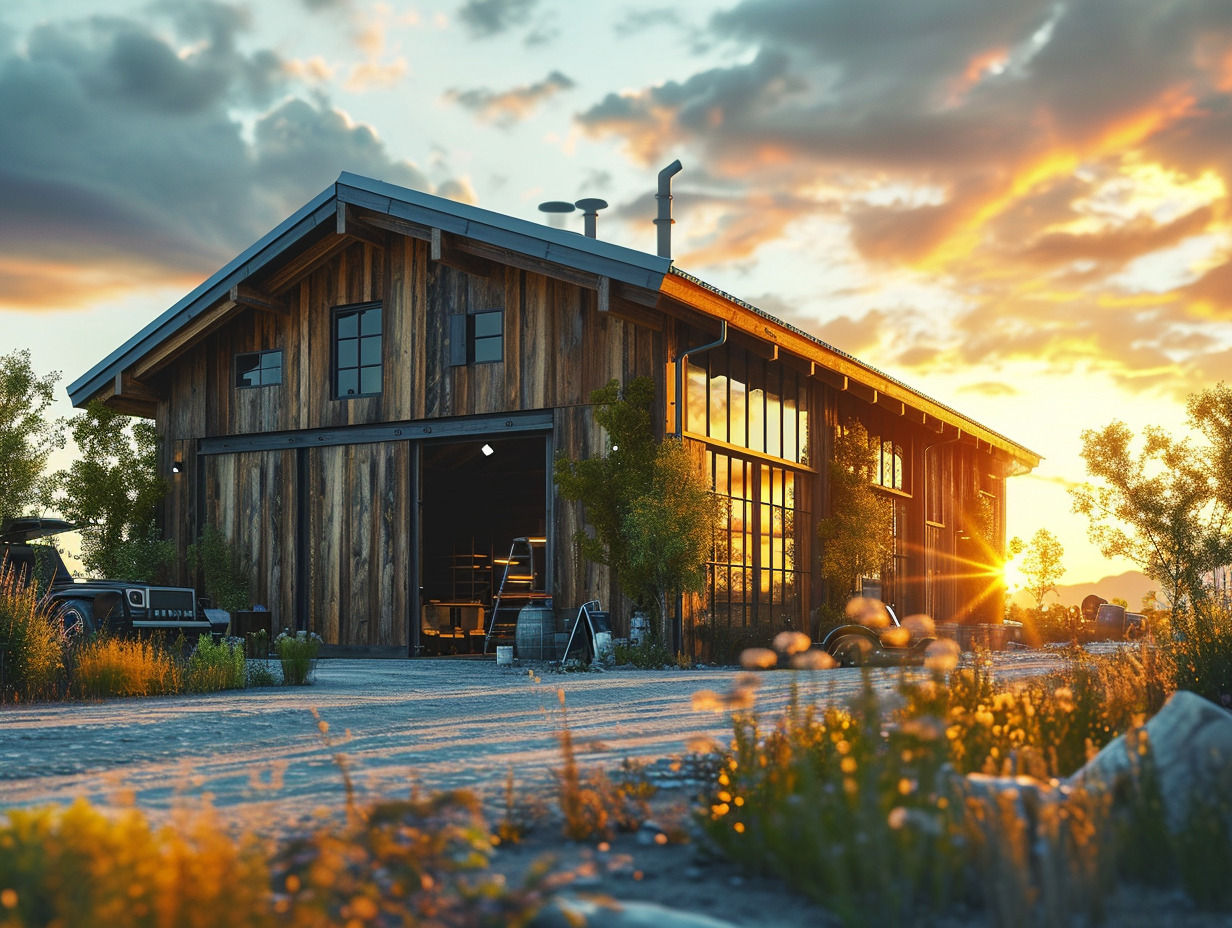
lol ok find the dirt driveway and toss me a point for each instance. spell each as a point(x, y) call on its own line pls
point(438, 723)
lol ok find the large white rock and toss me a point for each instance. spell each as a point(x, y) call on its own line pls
point(1190, 742)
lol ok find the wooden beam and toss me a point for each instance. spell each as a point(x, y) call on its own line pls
point(825, 375)
point(437, 246)
point(350, 224)
point(129, 387)
point(447, 250)
point(605, 294)
point(184, 338)
point(305, 263)
point(249, 297)
point(638, 315)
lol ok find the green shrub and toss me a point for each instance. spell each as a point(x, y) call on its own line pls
point(651, 654)
point(224, 575)
point(723, 644)
point(214, 666)
point(30, 644)
point(1201, 654)
point(298, 655)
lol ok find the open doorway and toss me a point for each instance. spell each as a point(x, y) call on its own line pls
point(477, 496)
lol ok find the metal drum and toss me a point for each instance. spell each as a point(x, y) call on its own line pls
point(535, 636)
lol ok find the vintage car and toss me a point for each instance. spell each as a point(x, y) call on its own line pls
point(87, 606)
point(876, 638)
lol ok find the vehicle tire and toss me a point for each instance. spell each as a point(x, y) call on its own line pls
point(77, 618)
point(851, 651)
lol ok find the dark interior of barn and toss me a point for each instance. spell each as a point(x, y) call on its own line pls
point(475, 502)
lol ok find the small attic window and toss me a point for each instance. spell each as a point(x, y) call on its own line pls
point(258, 368)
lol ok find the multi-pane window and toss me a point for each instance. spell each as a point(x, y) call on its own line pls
point(486, 337)
point(258, 368)
point(888, 470)
point(759, 571)
point(744, 400)
point(357, 350)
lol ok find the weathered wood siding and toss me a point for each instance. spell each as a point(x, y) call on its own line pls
point(251, 499)
point(356, 579)
point(359, 521)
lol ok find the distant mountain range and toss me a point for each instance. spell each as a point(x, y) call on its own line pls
point(1130, 586)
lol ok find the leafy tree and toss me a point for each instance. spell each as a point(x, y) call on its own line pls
point(27, 437)
point(669, 530)
point(1166, 507)
point(650, 509)
point(225, 581)
point(608, 485)
point(857, 536)
point(1041, 566)
point(113, 492)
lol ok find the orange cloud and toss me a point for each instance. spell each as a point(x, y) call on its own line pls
point(31, 285)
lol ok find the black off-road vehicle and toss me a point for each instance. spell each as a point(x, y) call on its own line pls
point(87, 606)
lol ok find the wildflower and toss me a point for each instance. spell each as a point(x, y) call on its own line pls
point(792, 642)
point(762, 658)
point(812, 660)
point(868, 612)
point(897, 818)
point(942, 655)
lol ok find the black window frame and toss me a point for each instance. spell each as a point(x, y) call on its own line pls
point(337, 315)
point(262, 368)
point(473, 338)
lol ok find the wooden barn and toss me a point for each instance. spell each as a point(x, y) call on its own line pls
point(367, 403)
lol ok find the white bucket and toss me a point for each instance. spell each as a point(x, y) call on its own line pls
point(504, 655)
point(603, 648)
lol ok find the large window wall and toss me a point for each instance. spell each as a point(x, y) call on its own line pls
point(743, 400)
point(754, 417)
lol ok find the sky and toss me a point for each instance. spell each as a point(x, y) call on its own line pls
point(1019, 208)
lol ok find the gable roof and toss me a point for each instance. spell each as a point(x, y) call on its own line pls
point(491, 228)
point(557, 246)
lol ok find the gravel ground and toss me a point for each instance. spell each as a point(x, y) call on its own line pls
point(440, 724)
point(436, 723)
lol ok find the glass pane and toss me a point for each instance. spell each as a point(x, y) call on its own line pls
point(348, 325)
point(738, 431)
point(487, 324)
point(718, 407)
point(791, 449)
point(774, 425)
point(370, 350)
point(757, 419)
point(271, 375)
point(695, 390)
point(370, 321)
point(370, 380)
point(804, 436)
point(898, 467)
point(348, 382)
point(348, 353)
point(245, 366)
point(489, 349)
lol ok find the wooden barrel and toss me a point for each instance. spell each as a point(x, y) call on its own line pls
point(535, 637)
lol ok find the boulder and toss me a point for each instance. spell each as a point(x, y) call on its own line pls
point(1190, 742)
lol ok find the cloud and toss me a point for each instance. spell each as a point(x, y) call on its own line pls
point(487, 18)
point(507, 107)
point(992, 388)
point(1059, 171)
point(124, 160)
point(635, 22)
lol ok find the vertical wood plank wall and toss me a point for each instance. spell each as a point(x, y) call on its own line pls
point(557, 347)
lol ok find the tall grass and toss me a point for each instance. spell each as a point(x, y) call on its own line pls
point(108, 666)
point(30, 642)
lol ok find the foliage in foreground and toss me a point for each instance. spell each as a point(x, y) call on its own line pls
point(859, 807)
point(32, 656)
point(412, 862)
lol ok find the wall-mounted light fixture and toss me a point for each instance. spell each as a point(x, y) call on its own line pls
point(488, 450)
point(177, 466)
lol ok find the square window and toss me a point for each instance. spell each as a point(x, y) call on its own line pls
point(348, 382)
point(369, 380)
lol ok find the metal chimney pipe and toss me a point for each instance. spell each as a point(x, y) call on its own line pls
point(664, 220)
point(590, 213)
